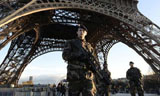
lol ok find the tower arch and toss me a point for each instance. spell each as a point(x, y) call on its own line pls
point(37, 27)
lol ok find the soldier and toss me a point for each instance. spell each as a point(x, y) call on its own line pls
point(79, 75)
point(104, 83)
point(135, 80)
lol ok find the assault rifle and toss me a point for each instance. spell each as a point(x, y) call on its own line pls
point(89, 59)
point(136, 80)
point(92, 62)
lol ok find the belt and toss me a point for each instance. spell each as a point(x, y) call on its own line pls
point(73, 66)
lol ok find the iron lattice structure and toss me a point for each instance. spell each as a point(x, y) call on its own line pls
point(36, 27)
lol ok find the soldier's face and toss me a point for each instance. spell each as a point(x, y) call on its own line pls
point(81, 33)
point(131, 65)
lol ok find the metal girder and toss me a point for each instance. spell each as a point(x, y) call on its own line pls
point(102, 50)
point(36, 27)
point(22, 51)
point(123, 10)
point(17, 55)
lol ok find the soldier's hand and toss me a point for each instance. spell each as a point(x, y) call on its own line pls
point(83, 57)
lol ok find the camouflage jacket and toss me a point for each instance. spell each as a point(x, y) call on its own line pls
point(75, 56)
point(134, 74)
point(73, 50)
point(106, 77)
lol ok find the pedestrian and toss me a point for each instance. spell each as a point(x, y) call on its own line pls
point(53, 90)
point(63, 90)
point(59, 89)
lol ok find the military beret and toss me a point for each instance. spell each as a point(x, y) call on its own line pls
point(83, 27)
point(131, 62)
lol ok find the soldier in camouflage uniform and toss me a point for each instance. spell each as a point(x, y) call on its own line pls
point(104, 83)
point(135, 80)
point(79, 75)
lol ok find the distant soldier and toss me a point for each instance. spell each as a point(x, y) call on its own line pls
point(104, 83)
point(79, 74)
point(135, 80)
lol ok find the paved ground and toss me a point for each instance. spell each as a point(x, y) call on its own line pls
point(123, 94)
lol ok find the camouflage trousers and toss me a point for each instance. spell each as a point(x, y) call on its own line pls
point(103, 90)
point(86, 87)
point(134, 86)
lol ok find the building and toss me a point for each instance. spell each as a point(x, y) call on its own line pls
point(29, 83)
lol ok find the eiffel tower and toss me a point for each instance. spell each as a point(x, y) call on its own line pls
point(36, 27)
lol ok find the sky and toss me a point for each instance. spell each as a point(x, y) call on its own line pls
point(50, 67)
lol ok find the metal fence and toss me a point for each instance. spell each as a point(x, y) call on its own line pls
point(23, 92)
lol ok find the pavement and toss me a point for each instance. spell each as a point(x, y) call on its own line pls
point(127, 94)
point(124, 94)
